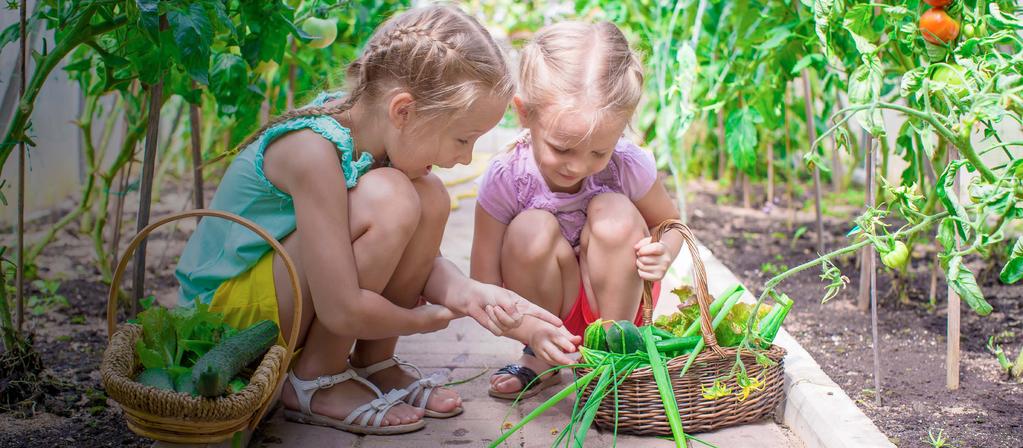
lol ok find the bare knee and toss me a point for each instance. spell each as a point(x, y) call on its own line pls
point(613, 219)
point(532, 236)
point(394, 201)
point(434, 200)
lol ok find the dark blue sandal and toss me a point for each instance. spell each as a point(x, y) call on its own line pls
point(525, 376)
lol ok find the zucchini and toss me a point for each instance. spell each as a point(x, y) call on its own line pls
point(214, 371)
point(158, 378)
point(595, 336)
point(623, 337)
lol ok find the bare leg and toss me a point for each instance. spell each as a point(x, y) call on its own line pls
point(378, 246)
point(539, 264)
point(405, 287)
point(612, 229)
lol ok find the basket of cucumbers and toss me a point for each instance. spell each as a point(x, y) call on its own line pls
point(182, 375)
point(695, 369)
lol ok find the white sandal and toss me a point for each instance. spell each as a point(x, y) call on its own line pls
point(374, 410)
point(419, 391)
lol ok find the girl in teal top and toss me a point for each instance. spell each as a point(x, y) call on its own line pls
point(345, 183)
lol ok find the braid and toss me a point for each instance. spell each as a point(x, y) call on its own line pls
point(440, 55)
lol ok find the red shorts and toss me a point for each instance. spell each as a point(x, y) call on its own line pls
point(581, 315)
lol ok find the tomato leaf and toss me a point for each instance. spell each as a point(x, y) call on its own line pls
point(951, 201)
point(1001, 19)
point(865, 89)
point(1012, 272)
point(193, 35)
point(149, 19)
point(961, 279)
point(741, 138)
point(858, 23)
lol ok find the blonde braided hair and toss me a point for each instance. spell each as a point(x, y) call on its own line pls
point(440, 55)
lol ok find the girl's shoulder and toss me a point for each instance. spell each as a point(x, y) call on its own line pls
point(632, 170)
point(513, 158)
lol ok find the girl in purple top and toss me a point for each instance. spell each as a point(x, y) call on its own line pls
point(564, 216)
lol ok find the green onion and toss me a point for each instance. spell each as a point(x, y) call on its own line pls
point(578, 384)
point(663, 380)
point(725, 308)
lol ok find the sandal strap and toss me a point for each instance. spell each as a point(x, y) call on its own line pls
point(304, 389)
point(420, 391)
point(376, 409)
point(523, 373)
point(386, 364)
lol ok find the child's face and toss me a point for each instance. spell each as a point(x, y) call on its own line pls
point(444, 142)
point(564, 152)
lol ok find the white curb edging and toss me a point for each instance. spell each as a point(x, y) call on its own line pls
point(815, 409)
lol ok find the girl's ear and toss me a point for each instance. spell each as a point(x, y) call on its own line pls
point(401, 110)
point(521, 111)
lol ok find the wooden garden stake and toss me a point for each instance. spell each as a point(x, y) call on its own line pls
point(722, 149)
point(869, 267)
point(770, 172)
point(292, 76)
point(196, 126)
point(836, 156)
point(811, 129)
point(146, 188)
point(952, 336)
point(19, 280)
point(867, 256)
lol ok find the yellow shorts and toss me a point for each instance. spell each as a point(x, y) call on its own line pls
point(250, 297)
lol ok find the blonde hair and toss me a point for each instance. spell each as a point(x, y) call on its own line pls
point(440, 55)
point(581, 67)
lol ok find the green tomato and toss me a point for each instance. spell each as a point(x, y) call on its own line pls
point(953, 77)
point(969, 31)
point(324, 31)
point(897, 257)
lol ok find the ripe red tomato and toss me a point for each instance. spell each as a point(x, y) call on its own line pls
point(937, 27)
point(938, 3)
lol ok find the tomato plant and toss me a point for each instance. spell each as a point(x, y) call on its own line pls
point(937, 27)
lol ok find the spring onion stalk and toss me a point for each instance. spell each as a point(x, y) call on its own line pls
point(663, 380)
point(578, 384)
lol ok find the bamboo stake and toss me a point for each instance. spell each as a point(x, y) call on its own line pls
point(196, 126)
point(770, 172)
point(722, 150)
point(870, 262)
point(19, 281)
point(146, 189)
point(867, 256)
point(952, 336)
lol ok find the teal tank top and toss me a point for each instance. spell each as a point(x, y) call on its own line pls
point(219, 250)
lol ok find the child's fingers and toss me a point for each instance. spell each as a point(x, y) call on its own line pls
point(504, 320)
point(641, 243)
point(553, 355)
point(531, 309)
point(655, 249)
point(493, 320)
point(483, 318)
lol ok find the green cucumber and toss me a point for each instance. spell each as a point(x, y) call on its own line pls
point(595, 336)
point(623, 337)
point(682, 344)
point(770, 324)
point(158, 378)
point(213, 372)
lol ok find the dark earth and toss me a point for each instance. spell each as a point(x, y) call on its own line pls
point(987, 408)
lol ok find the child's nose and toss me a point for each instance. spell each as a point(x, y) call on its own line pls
point(465, 157)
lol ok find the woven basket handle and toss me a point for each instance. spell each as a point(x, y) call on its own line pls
point(296, 317)
point(703, 297)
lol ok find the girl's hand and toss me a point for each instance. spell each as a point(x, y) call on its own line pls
point(499, 310)
point(551, 344)
point(433, 317)
point(652, 259)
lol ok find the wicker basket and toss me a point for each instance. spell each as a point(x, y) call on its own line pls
point(640, 410)
point(176, 417)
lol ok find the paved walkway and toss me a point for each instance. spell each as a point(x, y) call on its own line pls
point(467, 350)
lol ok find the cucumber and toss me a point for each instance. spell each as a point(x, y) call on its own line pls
point(682, 344)
point(623, 337)
point(158, 378)
point(595, 337)
point(185, 384)
point(212, 373)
